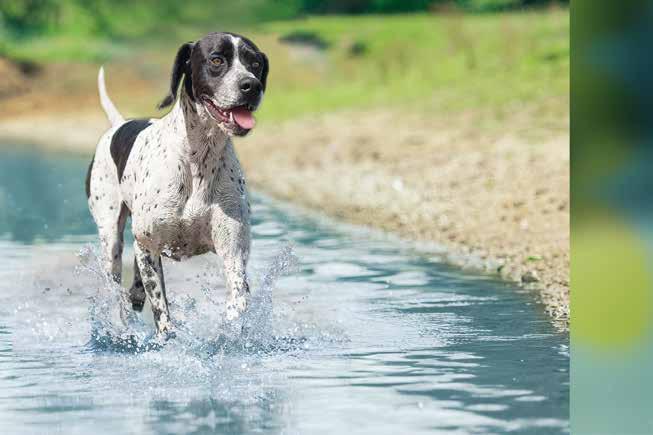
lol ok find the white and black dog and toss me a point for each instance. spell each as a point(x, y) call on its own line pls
point(178, 176)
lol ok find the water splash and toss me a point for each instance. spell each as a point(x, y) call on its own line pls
point(109, 331)
point(195, 322)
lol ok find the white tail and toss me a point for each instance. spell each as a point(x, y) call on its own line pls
point(112, 113)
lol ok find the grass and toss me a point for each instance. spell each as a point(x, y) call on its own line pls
point(466, 61)
point(430, 62)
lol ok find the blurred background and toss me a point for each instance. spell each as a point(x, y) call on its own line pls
point(612, 157)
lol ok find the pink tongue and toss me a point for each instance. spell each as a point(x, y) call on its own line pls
point(243, 117)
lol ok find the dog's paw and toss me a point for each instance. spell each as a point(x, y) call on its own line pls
point(164, 336)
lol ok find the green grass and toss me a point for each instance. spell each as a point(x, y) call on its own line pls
point(464, 61)
point(432, 62)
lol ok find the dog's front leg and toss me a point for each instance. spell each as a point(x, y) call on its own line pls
point(152, 276)
point(231, 240)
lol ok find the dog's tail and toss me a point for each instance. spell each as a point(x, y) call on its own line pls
point(112, 113)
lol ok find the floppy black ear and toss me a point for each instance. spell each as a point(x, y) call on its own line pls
point(266, 69)
point(180, 68)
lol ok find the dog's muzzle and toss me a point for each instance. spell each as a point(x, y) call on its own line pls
point(238, 118)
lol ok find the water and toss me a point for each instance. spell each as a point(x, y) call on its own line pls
point(349, 332)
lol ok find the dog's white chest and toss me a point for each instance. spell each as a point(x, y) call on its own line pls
point(185, 229)
point(175, 198)
point(176, 217)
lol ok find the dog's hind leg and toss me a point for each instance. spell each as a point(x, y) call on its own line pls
point(110, 228)
point(114, 243)
point(151, 271)
point(109, 213)
point(137, 290)
point(112, 240)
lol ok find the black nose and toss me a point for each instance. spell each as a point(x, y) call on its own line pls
point(250, 86)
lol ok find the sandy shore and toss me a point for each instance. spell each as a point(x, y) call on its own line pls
point(499, 201)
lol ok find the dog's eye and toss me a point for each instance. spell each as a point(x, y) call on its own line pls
point(256, 65)
point(216, 61)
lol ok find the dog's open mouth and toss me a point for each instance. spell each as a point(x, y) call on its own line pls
point(240, 116)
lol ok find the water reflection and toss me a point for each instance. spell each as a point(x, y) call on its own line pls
point(211, 415)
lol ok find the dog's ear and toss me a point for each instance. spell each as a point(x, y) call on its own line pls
point(266, 69)
point(180, 68)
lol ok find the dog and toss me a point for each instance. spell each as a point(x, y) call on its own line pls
point(178, 176)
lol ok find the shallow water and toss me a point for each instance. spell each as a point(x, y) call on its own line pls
point(348, 332)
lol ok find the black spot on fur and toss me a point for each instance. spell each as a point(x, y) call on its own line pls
point(123, 141)
point(88, 177)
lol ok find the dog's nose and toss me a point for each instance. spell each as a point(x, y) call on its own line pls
point(250, 86)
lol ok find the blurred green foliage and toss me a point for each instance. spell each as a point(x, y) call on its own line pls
point(124, 18)
point(605, 126)
point(611, 143)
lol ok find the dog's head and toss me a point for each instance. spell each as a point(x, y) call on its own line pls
point(225, 75)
